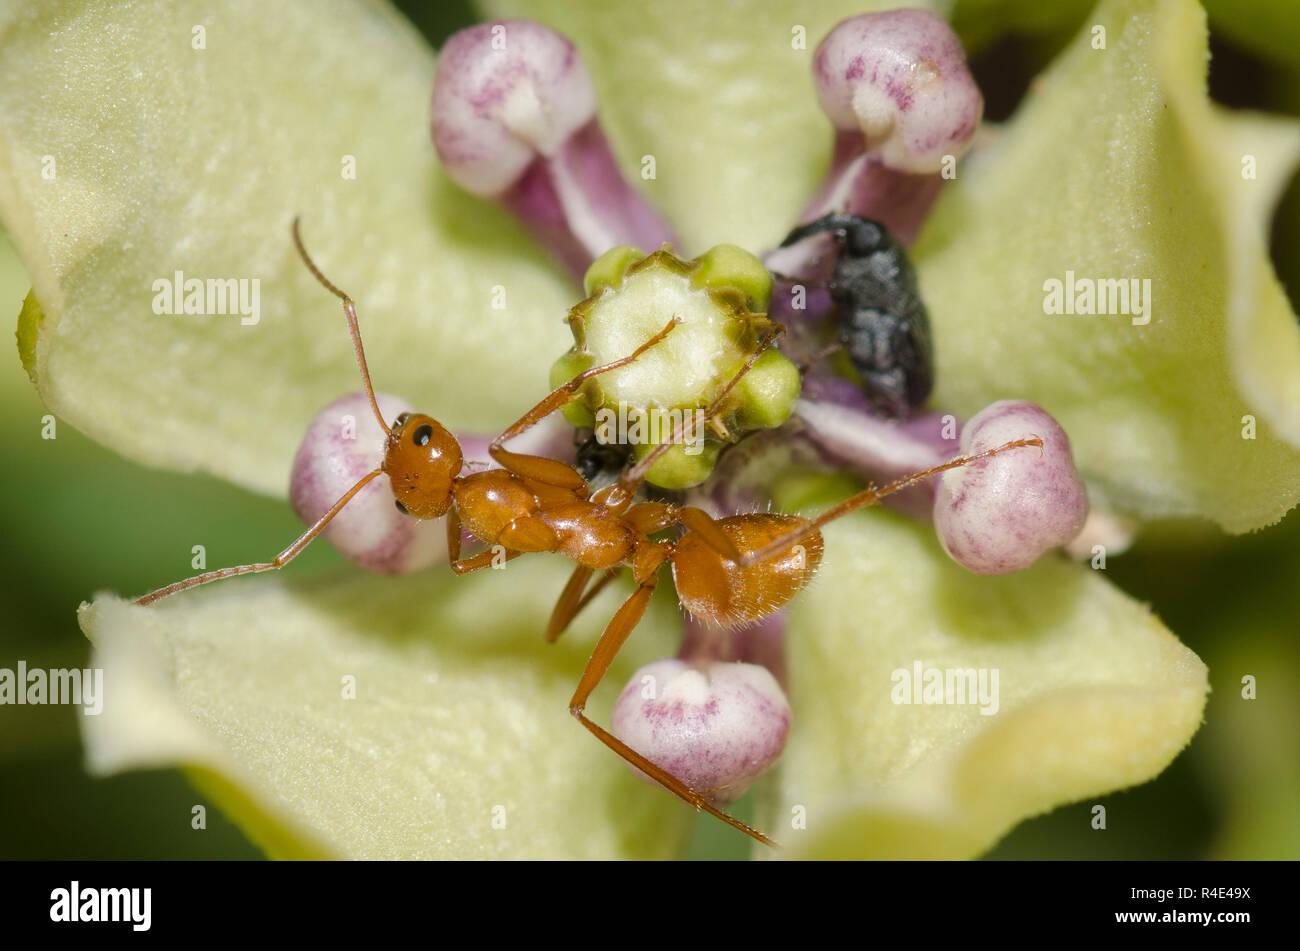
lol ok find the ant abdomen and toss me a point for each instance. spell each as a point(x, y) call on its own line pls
point(716, 589)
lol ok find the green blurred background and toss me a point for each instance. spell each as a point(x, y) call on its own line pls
point(78, 519)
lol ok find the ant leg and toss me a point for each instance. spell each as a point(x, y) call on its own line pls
point(573, 600)
point(870, 496)
point(650, 517)
point(464, 566)
point(280, 560)
point(619, 495)
point(453, 535)
point(566, 608)
point(615, 635)
point(817, 356)
point(552, 471)
point(596, 589)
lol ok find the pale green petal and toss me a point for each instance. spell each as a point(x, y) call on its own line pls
point(1116, 167)
point(166, 158)
point(1093, 695)
point(460, 708)
point(717, 95)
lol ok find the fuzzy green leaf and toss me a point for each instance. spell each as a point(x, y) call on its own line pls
point(1116, 167)
point(127, 154)
point(459, 708)
point(1092, 695)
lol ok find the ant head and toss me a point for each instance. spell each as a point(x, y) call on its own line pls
point(422, 460)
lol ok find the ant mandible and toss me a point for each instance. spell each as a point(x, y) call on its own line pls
point(731, 571)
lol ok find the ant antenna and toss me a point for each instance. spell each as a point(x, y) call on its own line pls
point(871, 495)
point(350, 311)
point(280, 560)
point(290, 553)
point(817, 356)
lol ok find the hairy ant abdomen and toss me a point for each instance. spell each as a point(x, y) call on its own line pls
point(716, 589)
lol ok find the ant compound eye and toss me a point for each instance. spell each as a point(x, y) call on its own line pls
point(401, 419)
point(400, 507)
point(422, 435)
point(333, 456)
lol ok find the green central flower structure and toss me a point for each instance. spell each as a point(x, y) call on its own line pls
point(719, 303)
point(351, 715)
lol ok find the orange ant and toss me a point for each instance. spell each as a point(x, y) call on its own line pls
point(731, 571)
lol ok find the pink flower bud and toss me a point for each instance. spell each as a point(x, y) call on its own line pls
point(505, 93)
point(900, 78)
point(999, 514)
point(514, 120)
point(717, 726)
point(904, 106)
point(343, 442)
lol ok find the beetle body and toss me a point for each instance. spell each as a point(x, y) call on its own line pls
point(881, 321)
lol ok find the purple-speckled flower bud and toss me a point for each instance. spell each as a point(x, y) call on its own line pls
point(514, 120)
point(716, 726)
point(503, 94)
point(901, 79)
point(343, 443)
point(904, 105)
point(999, 514)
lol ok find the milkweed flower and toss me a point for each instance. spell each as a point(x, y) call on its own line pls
point(354, 715)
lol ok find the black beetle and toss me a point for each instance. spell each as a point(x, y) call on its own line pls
point(598, 461)
point(883, 324)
